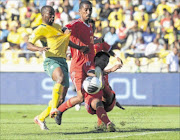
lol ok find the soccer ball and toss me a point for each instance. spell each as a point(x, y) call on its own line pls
point(92, 85)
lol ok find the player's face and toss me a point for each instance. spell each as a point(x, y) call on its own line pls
point(85, 12)
point(48, 16)
point(102, 61)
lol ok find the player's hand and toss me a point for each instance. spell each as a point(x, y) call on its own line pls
point(120, 62)
point(84, 49)
point(100, 40)
point(43, 49)
point(67, 31)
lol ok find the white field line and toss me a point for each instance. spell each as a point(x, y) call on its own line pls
point(123, 136)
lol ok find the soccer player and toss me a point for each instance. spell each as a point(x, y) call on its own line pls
point(95, 103)
point(56, 42)
point(109, 99)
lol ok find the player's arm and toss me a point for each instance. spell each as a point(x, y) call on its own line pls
point(83, 49)
point(37, 34)
point(34, 48)
point(118, 65)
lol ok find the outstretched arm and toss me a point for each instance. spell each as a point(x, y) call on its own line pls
point(118, 65)
point(35, 48)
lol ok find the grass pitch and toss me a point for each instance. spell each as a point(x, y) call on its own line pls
point(140, 123)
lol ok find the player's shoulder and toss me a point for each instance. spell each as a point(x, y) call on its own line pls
point(57, 25)
point(74, 22)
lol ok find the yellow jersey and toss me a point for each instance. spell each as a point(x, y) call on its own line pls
point(56, 40)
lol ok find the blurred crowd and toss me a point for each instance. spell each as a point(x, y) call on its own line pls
point(137, 28)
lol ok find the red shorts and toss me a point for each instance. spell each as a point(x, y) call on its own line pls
point(89, 98)
point(78, 75)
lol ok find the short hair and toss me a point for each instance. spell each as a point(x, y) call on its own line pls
point(84, 2)
point(44, 8)
point(99, 54)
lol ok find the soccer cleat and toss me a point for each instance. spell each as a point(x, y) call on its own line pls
point(111, 127)
point(40, 123)
point(58, 117)
point(53, 112)
point(101, 127)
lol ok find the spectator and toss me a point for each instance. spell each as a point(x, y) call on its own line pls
point(122, 32)
point(23, 47)
point(137, 67)
point(14, 8)
point(111, 37)
point(106, 29)
point(65, 18)
point(36, 18)
point(4, 34)
point(14, 38)
point(152, 49)
point(133, 35)
point(3, 14)
point(148, 36)
point(149, 5)
point(172, 61)
point(105, 11)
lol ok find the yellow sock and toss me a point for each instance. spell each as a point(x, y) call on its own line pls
point(45, 113)
point(57, 91)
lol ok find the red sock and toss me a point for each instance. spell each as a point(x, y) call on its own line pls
point(99, 122)
point(63, 107)
point(102, 115)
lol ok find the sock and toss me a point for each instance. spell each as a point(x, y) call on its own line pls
point(57, 90)
point(45, 113)
point(63, 107)
point(102, 115)
point(99, 122)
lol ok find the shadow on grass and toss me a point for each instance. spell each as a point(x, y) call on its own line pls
point(95, 131)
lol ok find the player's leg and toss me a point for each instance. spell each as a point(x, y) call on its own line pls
point(97, 105)
point(53, 69)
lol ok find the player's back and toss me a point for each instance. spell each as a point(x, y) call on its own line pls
point(101, 46)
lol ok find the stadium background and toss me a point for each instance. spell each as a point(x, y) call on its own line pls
point(147, 83)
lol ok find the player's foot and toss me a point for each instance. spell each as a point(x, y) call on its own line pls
point(98, 73)
point(78, 107)
point(40, 123)
point(111, 127)
point(53, 112)
point(58, 117)
point(101, 127)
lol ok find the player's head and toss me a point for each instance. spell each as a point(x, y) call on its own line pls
point(92, 22)
point(85, 10)
point(101, 59)
point(48, 14)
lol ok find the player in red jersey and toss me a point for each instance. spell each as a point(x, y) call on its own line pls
point(81, 34)
point(109, 99)
point(94, 103)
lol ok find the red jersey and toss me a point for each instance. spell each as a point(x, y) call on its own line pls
point(101, 46)
point(82, 35)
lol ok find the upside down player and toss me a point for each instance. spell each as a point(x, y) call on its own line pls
point(95, 103)
point(108, 93)
point(55, 63)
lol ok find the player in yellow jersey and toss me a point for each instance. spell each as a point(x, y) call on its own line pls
point(55, 65)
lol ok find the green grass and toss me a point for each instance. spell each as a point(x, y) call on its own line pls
point(140, 123)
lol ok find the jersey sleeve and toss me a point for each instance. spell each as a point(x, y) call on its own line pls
point(106, 47)
point(37, 34)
